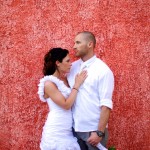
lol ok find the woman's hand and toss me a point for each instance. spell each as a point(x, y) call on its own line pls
point(80, 78)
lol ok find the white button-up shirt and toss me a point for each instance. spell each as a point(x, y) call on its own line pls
point(96, 91)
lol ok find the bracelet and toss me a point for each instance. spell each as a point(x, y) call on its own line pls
point(75, 89)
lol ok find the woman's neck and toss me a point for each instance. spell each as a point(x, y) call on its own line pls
point(59, 75)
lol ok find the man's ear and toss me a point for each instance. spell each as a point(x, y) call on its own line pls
point(90, 44)
point(57, 63)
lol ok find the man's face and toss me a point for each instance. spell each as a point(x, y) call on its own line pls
point(80, 45)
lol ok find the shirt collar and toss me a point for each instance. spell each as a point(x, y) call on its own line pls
point(88, 62)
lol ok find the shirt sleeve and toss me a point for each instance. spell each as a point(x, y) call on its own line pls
point(106, 87)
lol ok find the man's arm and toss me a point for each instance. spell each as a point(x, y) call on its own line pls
point(106, 87)
point(105, 113)
point(94, 139)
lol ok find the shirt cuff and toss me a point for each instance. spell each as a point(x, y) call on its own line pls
point(106, 102)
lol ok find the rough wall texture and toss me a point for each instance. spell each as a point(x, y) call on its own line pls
point(29, 28)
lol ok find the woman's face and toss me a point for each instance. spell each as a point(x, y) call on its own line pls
point(65, 65)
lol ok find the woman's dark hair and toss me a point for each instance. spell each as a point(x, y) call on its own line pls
point(53, 55)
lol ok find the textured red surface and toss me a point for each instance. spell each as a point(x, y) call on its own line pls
point(29, 28)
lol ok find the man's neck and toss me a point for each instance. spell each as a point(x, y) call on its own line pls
point(85, 58)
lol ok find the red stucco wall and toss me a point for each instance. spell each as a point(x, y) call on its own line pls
point(29, 28)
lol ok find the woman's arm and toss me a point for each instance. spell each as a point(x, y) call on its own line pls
point(52, 91)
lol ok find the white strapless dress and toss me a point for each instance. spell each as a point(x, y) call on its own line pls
point(57, 131)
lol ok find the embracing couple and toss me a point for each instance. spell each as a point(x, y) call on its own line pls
point(79, 96)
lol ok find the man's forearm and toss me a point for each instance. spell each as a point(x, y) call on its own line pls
point(104, 117)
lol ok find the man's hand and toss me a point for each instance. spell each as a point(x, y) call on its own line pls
point(94, 139)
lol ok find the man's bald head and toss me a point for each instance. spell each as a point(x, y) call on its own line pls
point(89, 36)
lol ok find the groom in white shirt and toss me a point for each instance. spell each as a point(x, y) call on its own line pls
point(93, 104)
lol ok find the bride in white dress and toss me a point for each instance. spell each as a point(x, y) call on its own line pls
point(54, 89)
